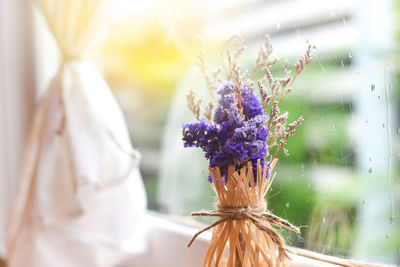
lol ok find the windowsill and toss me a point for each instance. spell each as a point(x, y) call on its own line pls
point(168, 237)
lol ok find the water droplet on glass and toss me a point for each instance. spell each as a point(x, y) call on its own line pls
point(341, 62)
point(370, 170)
point(323, 219)
point(344, 21)
point(350, 56)
point(287, 204)
point(383, 125)
point(391, 219)
point(372, 87)
point(332, 13)
point(278, 26)
point(309, 185)
point(398, 130)
point(334, 126)
point(363, 202)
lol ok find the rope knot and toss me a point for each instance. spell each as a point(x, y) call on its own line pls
point(239, 212)
point(256, 213)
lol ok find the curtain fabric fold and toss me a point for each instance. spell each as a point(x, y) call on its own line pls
point(80, 200)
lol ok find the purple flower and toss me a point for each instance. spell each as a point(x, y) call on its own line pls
point(226, 89)
point(227, 102)
point(226, 110)
point(232, 138)
point(201, 134)
point(251, 104)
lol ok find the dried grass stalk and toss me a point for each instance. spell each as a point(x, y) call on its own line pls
point(243, 234)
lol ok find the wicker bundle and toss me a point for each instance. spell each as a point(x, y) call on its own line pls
point(243, 235)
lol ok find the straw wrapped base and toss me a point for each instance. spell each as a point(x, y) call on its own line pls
point(243, 235)
point(241, 243)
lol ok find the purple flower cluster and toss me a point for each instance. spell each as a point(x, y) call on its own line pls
point(232, 138)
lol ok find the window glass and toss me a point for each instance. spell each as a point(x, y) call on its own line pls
point(340, 183)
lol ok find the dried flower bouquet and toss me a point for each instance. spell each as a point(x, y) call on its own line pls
point(242, 143)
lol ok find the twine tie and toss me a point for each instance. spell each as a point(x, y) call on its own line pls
point(257, 214)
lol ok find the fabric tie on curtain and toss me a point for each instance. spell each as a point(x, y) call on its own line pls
point(80, 200)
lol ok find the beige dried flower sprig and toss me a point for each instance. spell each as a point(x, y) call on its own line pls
point(279, 88)
point(263, 54)
point(208, 111)
point(272, 90)
point(210, 81)
point(194, 104)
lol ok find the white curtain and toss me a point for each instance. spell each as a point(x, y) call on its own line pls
point(80, 200)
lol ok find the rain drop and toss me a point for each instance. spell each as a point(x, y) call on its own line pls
point(372, 87)
point(350, 56)
point(370, 170)
point(278, 26)
point(287, 204)
point(323, 220)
